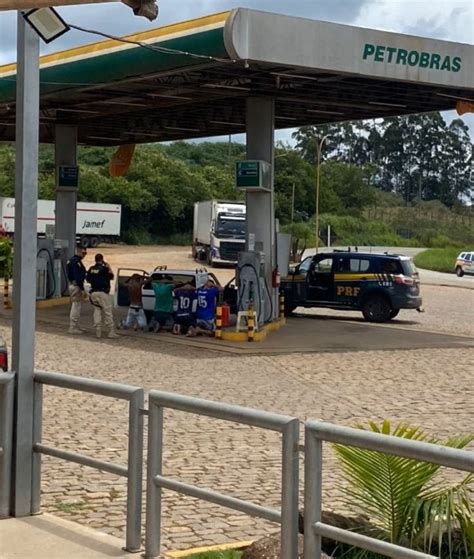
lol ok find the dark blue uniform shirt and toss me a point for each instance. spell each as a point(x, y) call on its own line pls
point(99, 277)
point(76, 271)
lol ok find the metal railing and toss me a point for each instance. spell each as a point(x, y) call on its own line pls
point(134, 469)
point(315, 433)
point(6, 429)
point(287, 426)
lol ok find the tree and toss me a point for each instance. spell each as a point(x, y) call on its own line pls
point(418, 157)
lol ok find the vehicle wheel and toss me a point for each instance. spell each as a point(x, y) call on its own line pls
point(376, 308)
point(85, 242)
point(459, 272)
point(393, 313)
point(94, 241)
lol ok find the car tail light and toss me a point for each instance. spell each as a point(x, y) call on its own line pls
point(3, 360)
point(403, 280)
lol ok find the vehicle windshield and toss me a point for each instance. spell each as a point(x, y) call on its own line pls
point(230, 227)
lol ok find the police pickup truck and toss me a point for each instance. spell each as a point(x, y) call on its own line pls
point(379, 285)
point(197, 278)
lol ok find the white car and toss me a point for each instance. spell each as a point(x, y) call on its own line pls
point(196, 278)
point(465, 264)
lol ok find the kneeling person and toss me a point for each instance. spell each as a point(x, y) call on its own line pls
point(99, 276)
point(136, 316)
point(163, 313)
point(207, 297)
point(185, 314)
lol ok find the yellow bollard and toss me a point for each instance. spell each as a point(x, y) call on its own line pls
point(250, 324)
point(219, 322)
point(6, 293)
point(282, 306)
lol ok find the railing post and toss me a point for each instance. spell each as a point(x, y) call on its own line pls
point(313, 478)
point(290, 493)
point(135, 472)
point(37, 436)
point(6, 427)
point(153, 493)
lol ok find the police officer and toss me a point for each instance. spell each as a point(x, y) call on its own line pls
point(99, 276)
point(76, 274)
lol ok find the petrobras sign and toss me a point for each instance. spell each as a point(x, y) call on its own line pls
point(421, 59)
point(322, 46)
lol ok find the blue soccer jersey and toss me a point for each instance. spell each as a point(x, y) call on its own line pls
point(207, 303)
point(185, 298)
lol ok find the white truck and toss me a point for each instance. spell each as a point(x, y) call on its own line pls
point(94, 222)
point(218, 232)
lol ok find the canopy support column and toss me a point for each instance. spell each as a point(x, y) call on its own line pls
point(65, 151)
point(24, 267)
point(260, 205)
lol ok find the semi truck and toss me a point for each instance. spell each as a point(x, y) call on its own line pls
point(218, 232)
point(94, 222)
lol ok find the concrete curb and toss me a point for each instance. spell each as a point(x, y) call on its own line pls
point(260, 335)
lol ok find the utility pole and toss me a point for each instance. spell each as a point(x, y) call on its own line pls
point(318, 171)
point(293, 202)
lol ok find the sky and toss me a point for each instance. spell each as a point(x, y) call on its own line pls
point(451, 20)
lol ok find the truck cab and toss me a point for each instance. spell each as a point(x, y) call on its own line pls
point(227, 238)
point(218, 231)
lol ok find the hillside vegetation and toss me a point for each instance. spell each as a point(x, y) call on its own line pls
point(400, 181)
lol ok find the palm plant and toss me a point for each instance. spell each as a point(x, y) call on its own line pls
point(407, 501)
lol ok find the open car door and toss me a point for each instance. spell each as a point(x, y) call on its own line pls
point(121, 298)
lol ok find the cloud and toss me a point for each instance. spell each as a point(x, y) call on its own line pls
point(440, 19)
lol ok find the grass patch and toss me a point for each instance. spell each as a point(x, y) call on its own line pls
point(438, 259)
point(70, 508)
point(217, 555)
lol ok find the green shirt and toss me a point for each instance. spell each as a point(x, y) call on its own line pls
point(163, 297)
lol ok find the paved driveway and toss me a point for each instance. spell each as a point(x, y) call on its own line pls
point(431, 387)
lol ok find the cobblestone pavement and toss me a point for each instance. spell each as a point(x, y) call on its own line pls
point(432, 388)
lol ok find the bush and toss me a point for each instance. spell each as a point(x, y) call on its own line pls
point(138, 237)
point(178, 239)
point(348, 230)
point(141, 236)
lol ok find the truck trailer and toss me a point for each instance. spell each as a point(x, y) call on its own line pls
point(218, 232)
point(94, 222)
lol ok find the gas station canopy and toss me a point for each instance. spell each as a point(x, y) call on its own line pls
point(317, 72)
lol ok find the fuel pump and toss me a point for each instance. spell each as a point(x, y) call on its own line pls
point(251, 288)
point(58, 266)
point(45, 280)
